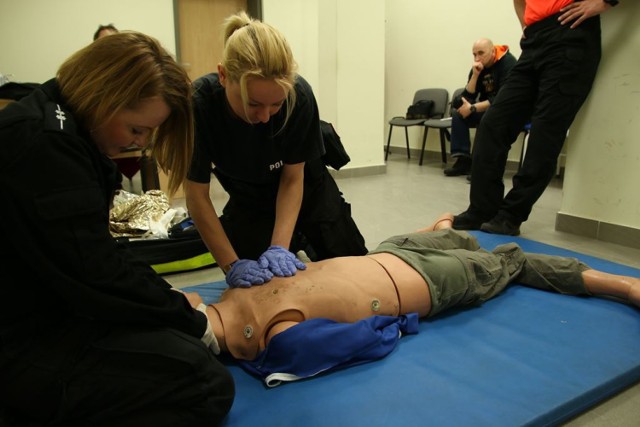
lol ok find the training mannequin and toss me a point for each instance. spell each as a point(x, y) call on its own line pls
point(419, 274)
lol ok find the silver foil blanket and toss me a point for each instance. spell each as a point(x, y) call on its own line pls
point(135, 215)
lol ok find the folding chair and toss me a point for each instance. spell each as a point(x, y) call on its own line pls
point(444, 125)
point(440, 97)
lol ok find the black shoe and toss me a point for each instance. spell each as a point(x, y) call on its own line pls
point(467, 221)
point(501, 225)
point(462, 166)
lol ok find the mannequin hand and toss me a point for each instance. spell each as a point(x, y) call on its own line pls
point(280, 261)
point(246, 272)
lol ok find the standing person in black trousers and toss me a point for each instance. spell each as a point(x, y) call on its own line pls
point(560, 55)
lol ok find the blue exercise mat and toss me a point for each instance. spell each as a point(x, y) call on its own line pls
point(526, 357)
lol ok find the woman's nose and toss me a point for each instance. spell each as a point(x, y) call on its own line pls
point(263, 114)
point(140, 141)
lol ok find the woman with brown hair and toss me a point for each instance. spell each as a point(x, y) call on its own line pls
point(88, 336)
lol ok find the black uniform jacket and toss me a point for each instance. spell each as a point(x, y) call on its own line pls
point(58, 259)
point(492, 79)
point(248, 158)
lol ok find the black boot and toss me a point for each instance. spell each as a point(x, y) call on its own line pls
point(502, 224)
point(462, 166)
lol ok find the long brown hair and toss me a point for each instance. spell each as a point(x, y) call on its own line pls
point(118, 72)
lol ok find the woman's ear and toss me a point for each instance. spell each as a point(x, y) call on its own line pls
point(222, 77)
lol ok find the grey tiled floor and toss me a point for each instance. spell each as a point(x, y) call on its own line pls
point(410, 196)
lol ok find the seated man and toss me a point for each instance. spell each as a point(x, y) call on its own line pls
point(491, 64)
point(419, 274)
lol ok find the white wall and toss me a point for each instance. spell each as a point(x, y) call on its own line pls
point(428, 44)
point(38, 35)
point(343, 59)
point(365, 58)
point(603, 149)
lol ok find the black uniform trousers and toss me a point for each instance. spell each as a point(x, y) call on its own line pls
point(548, 85)
point(324, 229)
point(83, 373)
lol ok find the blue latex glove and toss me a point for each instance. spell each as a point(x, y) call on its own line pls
point(280, 261)
point(247, 272)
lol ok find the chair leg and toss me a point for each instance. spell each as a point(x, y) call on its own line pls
point(447, 134)
point(406, 138)
point(386, 153)
point(149, 174)
point(443, 145)
point(424, 142)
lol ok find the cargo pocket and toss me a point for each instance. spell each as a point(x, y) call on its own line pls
point(487, 276)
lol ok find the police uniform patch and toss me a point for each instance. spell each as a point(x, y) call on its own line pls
point(57, 118)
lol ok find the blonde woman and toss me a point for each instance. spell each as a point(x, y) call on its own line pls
point(88, 336)
point(257, 127)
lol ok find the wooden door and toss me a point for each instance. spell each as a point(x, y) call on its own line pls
point(199, 33)
point(199, 42)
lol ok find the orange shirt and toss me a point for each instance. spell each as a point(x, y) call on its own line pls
point(537, 10)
